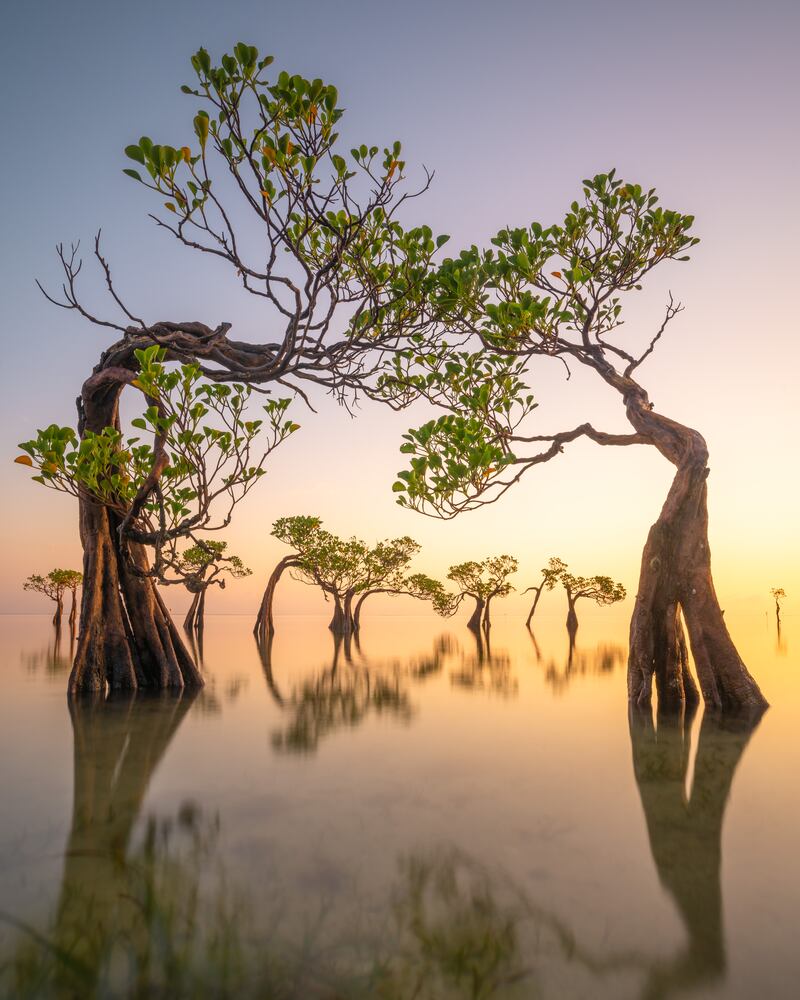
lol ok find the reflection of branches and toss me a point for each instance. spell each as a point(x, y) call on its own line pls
point(484, 670)
point(686, 834)
point(335, 699)
point(601, 661)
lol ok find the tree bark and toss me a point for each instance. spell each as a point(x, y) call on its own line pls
point(265, 623)
point(59, 612)
point(127, 637)
point(487, 621)
point(675, 583)
point(72, 610)
point(359, 603)
point(336, 624)
point(477, 614)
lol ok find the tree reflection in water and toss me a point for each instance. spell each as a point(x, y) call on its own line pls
point(604, 659)
point(685, 833)
point(56, 657)
point(145, 909)
point(483, 670)
point(345, 692)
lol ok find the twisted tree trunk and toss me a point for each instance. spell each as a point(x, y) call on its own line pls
point(477, 614)
point(572, 616)
point(675, 586)
point(538, 592)
point(265, 624)
point(127, 637)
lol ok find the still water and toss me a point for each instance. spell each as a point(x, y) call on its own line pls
point(418, 815)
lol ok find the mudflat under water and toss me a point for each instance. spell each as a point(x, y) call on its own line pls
point(419, 815)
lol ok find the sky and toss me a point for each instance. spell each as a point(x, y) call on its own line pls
point(511, 104)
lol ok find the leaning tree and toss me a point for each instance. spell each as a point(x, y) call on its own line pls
point(550, 576)
point(340, 279)
point(55, 585)
point(205, 565)
point(483, 581)
point(556, 292)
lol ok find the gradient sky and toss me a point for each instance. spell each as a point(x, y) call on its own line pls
point(511, 103)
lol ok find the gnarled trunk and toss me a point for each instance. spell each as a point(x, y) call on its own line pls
point(675, 586)
point(265, 624)
point(342, 621)
point(127, 637)
point(572, 617)
point(487, 621)
point(477, 614)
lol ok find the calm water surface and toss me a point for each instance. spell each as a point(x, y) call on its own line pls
point(418, 815)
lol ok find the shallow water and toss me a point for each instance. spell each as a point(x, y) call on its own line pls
point(412, 816)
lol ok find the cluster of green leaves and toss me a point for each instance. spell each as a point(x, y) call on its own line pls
point(458, 453)
point(485, 579)
point(600, 589)
point(539, 290)
point(207, 555)
point(542, 282)
point(202, 427)
point(55, 584)
point(278, 140)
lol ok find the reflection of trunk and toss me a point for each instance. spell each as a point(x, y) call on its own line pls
point(127, 637)
point(265, 625)
point(265, 655)
point(676, 580)
point(477, 614)
point(686, 835)
point(117, 746)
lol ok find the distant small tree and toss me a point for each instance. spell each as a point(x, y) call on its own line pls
point(550, 576)
point(483, 581)
point(600, 589)
point(348, 571)
point(202, 566)
point(779, 594)
point(54, 586)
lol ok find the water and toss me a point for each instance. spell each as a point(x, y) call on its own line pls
point(415, 816)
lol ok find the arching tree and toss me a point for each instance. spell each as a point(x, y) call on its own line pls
point(557, 292)
point(483, 581)
point(600, 589)
point(204, 565)
point(340, 279)
point(55, 585)
point(550, 576)
point(778, 594)
point(297, 532)
point(418, 585)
